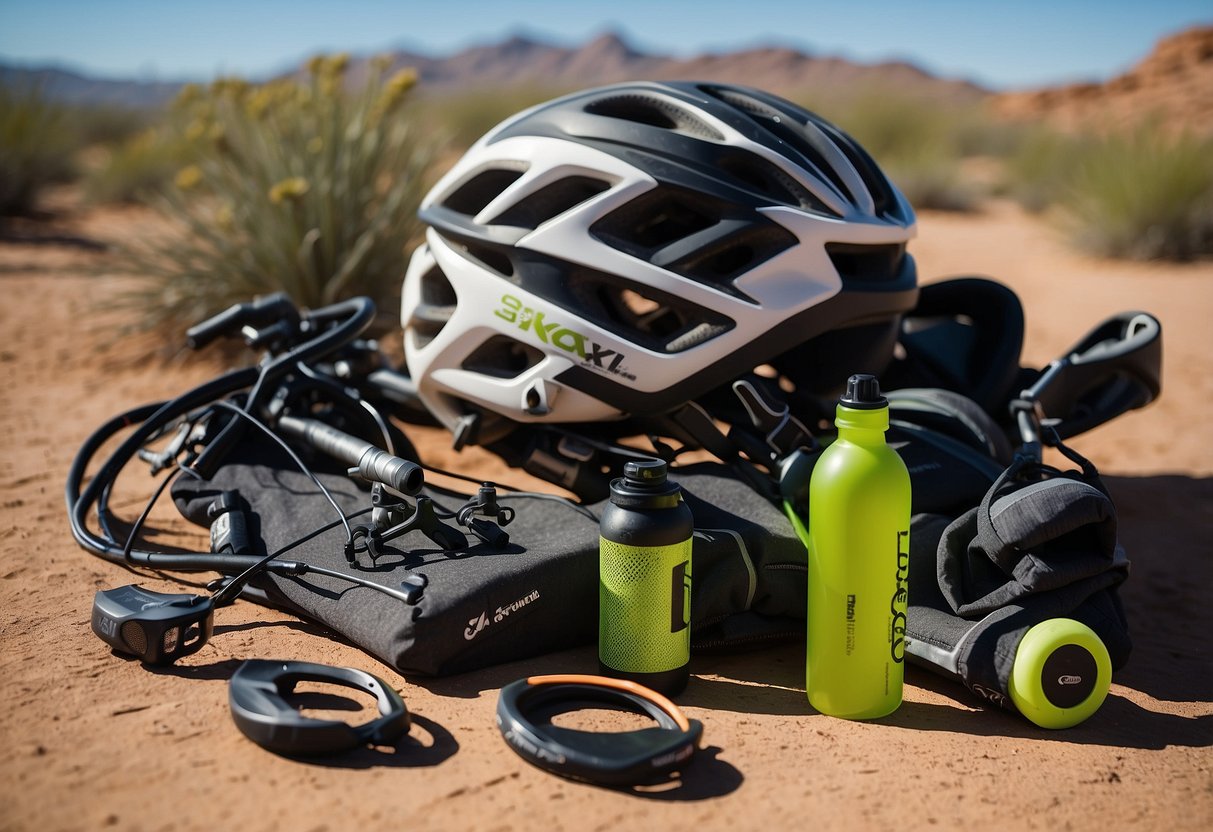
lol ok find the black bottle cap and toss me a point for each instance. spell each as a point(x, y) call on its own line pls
point(863, 393)
point(644, 484)
point(645, 472)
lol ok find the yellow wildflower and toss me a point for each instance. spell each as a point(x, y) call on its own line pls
point(188, 95)
point(144, 141)
point(315, 64)
point(396, 88)
point(219, 136)
point(289, 189)
point(260, 102)
point(337, 64)
point(225, 217)
point(195, 130)
point(188, 177)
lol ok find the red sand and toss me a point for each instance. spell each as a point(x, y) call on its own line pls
point(91, 741)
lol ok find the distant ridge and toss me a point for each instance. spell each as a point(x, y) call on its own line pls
point(1172, 85)
point(609, 58)
point(70, 87)
point(520, 60)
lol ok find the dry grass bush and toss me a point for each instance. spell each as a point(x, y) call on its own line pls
point(139, 169)
point(36, 148)
point(1144, 194)
point(295, 186)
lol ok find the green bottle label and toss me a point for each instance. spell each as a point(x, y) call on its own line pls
point(644, 606)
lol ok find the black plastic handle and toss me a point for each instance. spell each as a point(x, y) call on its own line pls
point(373, 464)
point(1115, 368)
point(256, 313)
point(615, 759)
point(256, 693)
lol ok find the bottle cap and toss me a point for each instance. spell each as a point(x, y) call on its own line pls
point(863, 393)
point(645, 472)
point(644, 484)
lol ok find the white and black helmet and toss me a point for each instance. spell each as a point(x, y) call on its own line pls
point(624, 250)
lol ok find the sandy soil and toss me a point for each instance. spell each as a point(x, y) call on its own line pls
point(90, 741)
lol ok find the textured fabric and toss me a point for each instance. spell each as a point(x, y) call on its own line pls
point(539, 594)
point(1033, 550)
point(972, 596)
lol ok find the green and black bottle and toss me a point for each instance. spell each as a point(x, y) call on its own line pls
point(859, 560)
point(644, 580)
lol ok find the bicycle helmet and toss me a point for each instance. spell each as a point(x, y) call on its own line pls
point(624, 250)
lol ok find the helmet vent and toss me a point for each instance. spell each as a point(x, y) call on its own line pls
point(437, 304)
point(488, 257)
point(867, 263)
point(502, 357)
point(660, 324)
point(868, 170)
point(785, 128)
point(658, 218)
point(759, 175)
point(471, 197)
point(655, 112)
point(721, 262)
point(551, 201)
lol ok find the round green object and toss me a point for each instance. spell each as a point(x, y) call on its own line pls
point(1061, 673)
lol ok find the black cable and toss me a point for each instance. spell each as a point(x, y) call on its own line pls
point(299, 462)
point(352, 395)
point(535, 495)
point(103, 499)
point(148, 418)
point(244, 577)
point(147, 509)
point(358, 313)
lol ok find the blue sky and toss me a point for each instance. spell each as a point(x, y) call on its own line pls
point(1001, 44)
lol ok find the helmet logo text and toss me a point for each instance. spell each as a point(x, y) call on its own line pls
point(591, 353)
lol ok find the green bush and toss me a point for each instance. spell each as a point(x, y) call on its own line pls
point(36, 148)
point(108, 125)
point(1039, 171)
point(1143, 195)
point(140, 169)
point(296, 186)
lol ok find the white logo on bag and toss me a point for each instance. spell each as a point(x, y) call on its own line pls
point(476, 625)
point(1069, 680)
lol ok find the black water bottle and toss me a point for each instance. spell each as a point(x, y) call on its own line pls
point(644, 586)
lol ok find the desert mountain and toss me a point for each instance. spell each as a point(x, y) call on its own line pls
point(608, 58)
point(75, 88)
point(1173, 84)
point(519, 60)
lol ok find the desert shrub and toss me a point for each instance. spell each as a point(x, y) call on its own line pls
point(108, 125)
point(139, 169)
point(36, 147)
point(1145, 194)
point(1039, 170)
point(297, 186)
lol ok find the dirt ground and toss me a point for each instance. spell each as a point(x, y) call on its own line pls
point(89, 741)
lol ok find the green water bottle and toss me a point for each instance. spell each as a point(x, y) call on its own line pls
point(644, 580)
point(859, 560)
